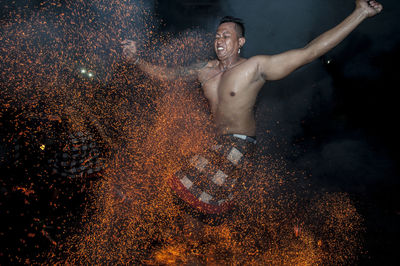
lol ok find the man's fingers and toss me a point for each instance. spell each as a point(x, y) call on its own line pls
point(375, 5)
point(129, 49)
point(128, 42)
point(127, 53)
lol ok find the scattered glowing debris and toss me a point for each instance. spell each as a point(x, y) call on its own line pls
point(151, 127)
point(26, 191)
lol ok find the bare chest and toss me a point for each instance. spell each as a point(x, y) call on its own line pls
point(227, 86)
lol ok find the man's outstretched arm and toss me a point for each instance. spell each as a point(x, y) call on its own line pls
point(279, 66)
point(160, 72)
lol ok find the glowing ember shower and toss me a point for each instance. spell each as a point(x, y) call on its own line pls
point(62, 63)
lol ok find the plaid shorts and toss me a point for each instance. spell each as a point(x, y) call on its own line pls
point(207, 181)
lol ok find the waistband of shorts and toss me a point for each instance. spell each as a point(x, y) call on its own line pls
point(251, 139)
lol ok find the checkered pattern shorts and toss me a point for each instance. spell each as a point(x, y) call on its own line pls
point(207, 181)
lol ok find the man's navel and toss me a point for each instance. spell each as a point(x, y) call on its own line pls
point(233, 94)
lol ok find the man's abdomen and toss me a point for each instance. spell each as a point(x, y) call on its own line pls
point(235, 123)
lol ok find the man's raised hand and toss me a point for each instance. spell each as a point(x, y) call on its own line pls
point(371, 8)
point(129, 50)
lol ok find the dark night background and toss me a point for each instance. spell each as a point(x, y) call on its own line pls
point(334, 118)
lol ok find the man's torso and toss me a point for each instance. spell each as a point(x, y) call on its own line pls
point(232, 94)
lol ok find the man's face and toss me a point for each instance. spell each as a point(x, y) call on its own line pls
point(227, 41)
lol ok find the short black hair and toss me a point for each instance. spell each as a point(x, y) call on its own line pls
point(238, 22)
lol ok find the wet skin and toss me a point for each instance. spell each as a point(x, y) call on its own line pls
point(231, 83)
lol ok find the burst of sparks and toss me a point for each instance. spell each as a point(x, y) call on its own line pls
point(152, 126)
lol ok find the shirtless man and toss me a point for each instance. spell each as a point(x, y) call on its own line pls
point(231, 84)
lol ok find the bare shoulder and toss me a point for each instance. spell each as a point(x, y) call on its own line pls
point(206, 66)
point(211, 64)
point(200, 65)
point(255, 62)
point(258, 62)
point(194, 69)
point(259, 59)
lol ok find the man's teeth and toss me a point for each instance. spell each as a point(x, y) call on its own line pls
point(220, 48)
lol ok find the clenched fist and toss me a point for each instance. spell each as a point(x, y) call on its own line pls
point(129, 50)
point(371, 8)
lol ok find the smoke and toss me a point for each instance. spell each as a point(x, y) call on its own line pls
point(333, 120)
point(309, 96)
point(135, 218)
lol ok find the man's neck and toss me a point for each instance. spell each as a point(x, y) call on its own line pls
point(228, 63)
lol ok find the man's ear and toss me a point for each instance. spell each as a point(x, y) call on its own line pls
point(242, 41)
